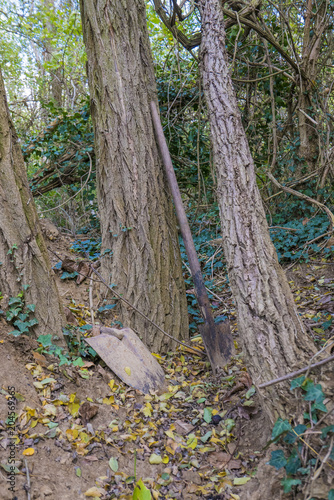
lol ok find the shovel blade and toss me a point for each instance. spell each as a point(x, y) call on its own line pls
point(130, 360)
point(218, 342)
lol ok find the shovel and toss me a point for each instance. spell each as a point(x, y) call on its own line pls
point(217, 338)
point(126, 355)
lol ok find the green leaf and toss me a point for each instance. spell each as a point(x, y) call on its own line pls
point(278, 459)
point(78, 362)
point(288, 483)
point(315, 393)
point(291, 437)
point(250, 392)
point(206, 436)
point(113, 464)
point(45, 340)
point(78, 471)
point(141, 492)
point(207, 415)
point(293, 463)
point(297, 382)
point(331, 495)
point(326, 430)
point(280, 427)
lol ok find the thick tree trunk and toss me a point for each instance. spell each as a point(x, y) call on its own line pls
point(137, 219)
point(23, 253)
point(271, 332)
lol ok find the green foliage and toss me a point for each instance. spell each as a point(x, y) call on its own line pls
point(19, 314)
point(300, 466)
point(141, 492)
point(91, 247)
point(293, 245)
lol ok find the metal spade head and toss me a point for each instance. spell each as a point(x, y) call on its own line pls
point(221, 346)
point(126, 355)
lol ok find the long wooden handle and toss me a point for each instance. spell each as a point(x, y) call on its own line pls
point(201, 293)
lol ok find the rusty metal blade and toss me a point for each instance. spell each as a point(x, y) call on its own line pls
point(129, 359)
point(221, 343)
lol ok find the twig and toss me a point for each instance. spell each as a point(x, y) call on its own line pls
point(297, 372)
point(91, 305)
point(27, 487)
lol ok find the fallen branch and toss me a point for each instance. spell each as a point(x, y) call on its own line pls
point(295, 373)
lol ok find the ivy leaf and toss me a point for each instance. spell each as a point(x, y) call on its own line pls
point(291, 437)
point(281, 426)
point(288, 483)
point(297, 382)
point(326, 430)
point(278, 459)
point(314, 393)
point(293, 463)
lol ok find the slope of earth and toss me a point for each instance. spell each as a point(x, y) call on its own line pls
point(79, 432)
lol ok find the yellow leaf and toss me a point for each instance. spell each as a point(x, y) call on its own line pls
point(38, 385)
point(28, 452)
point(169, 449)
point(165, 460)
point(127, 370)
point(155, 459)
point(238, 481)
point(72, 434)
point(73, 408)
point(147, 410)
point(170, 434)
point(111, 383)
point(33, 423)
point(94, 492)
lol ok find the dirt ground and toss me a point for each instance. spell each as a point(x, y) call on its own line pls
point(80, 433)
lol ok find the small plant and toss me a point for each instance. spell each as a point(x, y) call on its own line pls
point(307, 447)
point(19, 314)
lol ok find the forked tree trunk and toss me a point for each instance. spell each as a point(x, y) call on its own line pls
point(137, 218)
point(271, 332)
point(23, 253)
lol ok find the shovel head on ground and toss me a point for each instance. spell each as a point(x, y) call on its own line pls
point(126, 355)
point(221, 346)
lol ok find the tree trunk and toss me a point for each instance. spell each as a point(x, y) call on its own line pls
point(23, 253)
point(271, 332)
point(137, 218)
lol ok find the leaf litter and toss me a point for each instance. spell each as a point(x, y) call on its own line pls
point(106, 440)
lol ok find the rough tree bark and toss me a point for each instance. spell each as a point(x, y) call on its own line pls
point(272, 334)
point(137, 218)
point(23, 253)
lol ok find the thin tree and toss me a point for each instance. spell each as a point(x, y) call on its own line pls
point(139, 234)
point(270, 329)
point(24, 258)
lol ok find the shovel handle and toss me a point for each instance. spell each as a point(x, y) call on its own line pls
point(195, 268)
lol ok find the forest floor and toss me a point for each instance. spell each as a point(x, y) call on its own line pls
point(81, 433)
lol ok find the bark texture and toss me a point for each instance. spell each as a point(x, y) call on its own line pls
point(28, 264)
point(137, 218)
point(272, 334)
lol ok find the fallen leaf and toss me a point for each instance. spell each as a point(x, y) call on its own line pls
point(28, 452)
point(238, 481)
point(94, 492)
point(155, 459)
